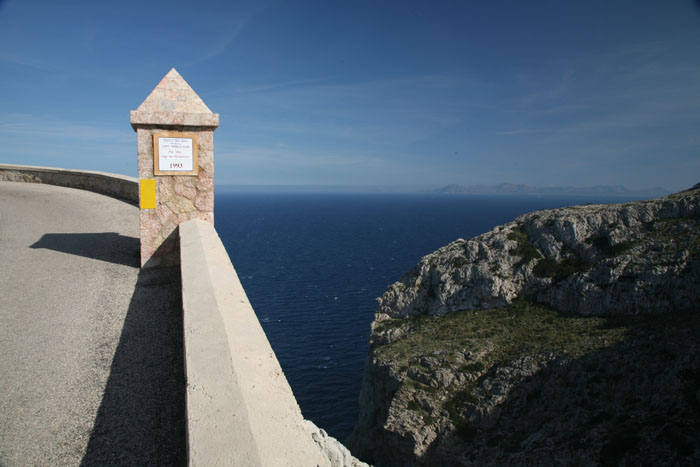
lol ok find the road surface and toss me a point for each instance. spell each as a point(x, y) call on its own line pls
point(91, 369)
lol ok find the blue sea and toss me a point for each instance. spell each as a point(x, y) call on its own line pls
point(313, 264)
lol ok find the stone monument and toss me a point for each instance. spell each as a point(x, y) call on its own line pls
point(175, 139)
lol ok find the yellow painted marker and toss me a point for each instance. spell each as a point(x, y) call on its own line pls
point(148, 193)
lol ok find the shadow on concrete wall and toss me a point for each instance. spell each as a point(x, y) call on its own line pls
point(104, 246)
point(141, 420)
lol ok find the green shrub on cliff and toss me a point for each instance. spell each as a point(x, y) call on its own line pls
point(525, 249)
point(559, 270)
point(505, 332)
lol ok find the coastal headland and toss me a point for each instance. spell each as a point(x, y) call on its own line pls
point(566, 336)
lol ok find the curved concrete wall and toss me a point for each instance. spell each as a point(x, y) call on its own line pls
point(240, 408)
point(116, 186)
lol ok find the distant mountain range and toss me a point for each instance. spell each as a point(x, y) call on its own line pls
point(520, 189)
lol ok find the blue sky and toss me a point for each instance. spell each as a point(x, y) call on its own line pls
point(402, 94)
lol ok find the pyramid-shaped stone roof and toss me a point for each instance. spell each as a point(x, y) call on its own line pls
point(173, 103)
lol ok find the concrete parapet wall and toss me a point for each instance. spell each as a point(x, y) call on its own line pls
point(240, 408)
point(117, 186)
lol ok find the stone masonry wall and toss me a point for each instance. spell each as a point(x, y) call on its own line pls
point(117, 186)
point(180, 198)
point(173, 106)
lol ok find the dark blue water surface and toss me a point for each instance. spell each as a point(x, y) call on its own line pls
point(313, 264)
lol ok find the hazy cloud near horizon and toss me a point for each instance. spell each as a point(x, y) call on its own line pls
point(385, 94)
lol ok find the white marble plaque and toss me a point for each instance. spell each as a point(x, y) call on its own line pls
point(175, 155)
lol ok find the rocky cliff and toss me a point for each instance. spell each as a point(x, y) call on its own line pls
point(566, 337)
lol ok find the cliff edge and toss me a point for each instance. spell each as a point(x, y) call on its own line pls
point(568, 336)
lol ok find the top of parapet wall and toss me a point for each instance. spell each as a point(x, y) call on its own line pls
point(240, 408)
point(115, 185)
point(57, 170)
point(173, 103)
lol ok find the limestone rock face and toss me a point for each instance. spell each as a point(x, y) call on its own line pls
point(566, 337)
point(594, 259)
point(335, 454)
